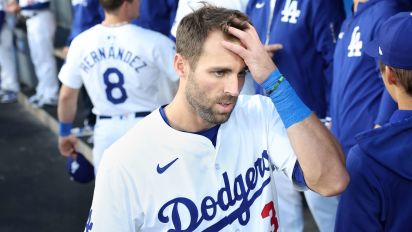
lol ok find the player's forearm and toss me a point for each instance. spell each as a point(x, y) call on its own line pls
point(67, 105)
point(319, 156)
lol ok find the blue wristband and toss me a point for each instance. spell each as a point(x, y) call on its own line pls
point(290, 107)
point(65, 129)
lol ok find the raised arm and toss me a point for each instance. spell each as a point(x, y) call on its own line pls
point(318, 153)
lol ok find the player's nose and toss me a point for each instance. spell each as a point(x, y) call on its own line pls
point(232, 85)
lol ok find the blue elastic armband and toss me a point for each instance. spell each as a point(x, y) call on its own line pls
point(65, 129)
point(290, 107)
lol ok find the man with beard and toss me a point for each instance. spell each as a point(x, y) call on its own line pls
point(204, 162)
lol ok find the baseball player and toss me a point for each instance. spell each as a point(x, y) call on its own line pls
point(126, 71)
point(204, 162)
point(9, 85)
point(300, 37)
point(378, 197)
point(357, 87)
point(40, 34)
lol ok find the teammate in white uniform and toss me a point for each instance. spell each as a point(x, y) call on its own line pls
point(127, 72)
point(196, 165)
point(41, 27)
point(9, 85)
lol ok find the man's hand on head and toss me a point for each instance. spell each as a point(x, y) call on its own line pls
point(253, 52)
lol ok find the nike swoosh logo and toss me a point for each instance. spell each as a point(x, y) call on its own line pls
point(260, 5)
point(160, 170)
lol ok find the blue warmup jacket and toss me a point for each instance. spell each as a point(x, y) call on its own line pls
point(86, 14)
point(157, 15)
point(357, 86)
point(308, 43)
point(378, 197)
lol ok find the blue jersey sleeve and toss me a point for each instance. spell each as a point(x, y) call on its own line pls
point(360, 205)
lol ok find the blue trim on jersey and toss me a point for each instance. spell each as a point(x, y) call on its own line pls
point(37, 6)
point(210, 133)
point(297, 175)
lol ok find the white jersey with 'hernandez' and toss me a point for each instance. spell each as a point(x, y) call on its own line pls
point(156, 178)
point(125, 69)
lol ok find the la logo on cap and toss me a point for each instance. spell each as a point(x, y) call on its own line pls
point(380, 51)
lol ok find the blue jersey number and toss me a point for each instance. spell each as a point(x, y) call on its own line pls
point(114, 86)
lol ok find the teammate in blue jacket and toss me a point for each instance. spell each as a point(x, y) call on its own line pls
point(307, 32)
point(357, 87)
point(378, 197)
point(157, 15)
point(302, 35)
point(86, 14)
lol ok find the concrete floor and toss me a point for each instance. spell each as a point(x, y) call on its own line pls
point(35, 191)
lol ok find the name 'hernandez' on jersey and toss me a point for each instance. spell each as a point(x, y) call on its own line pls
point(187, 184)
point(125, 69)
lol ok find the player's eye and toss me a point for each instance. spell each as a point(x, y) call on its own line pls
point(219, 73)
point(242, 74)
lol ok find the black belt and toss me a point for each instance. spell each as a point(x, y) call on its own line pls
point(136, 115)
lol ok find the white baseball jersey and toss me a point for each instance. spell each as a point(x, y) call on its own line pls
point(125, 69)
point(186, 7)
point(156, 178)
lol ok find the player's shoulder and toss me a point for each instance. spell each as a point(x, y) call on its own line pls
point(253, 103)
point(86, 35)
point(139, 147)
point(253, 107)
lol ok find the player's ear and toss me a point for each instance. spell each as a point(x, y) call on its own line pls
point(390, 75)
point(179, 65)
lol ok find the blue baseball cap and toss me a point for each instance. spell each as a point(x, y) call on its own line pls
point(393, 43)
point(80, 169)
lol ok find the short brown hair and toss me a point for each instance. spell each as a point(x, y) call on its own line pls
point(112, 5)
point(404, 76)
point(195, 28)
